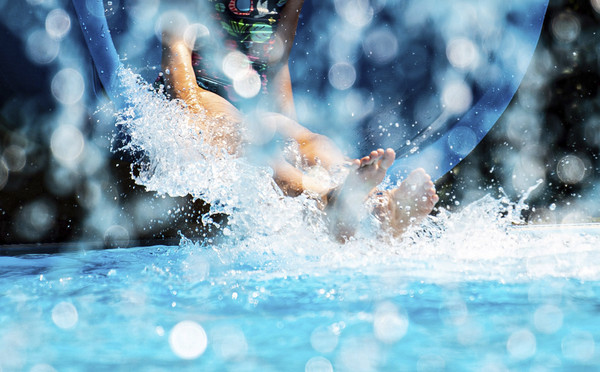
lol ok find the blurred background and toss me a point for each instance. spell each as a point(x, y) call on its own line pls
point(549, 132)
point(60, 183)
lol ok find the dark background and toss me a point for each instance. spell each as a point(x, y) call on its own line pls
point(567, 107)
point(560, 90)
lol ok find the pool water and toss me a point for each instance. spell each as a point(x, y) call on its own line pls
point(449, 296)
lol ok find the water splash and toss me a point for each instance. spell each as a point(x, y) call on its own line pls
point(280, 236)
point(180, 159)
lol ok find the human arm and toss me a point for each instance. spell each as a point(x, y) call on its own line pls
point(180, 80)
point(280, 86)
point(222, 122)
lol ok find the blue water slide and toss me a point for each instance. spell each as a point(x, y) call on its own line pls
point(448, 143)
point(100, 44)
point(403, 74)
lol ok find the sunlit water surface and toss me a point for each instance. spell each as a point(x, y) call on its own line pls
point(463, 291)
point(470, 298)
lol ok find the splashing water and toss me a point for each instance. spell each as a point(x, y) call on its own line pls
point(462, 291)
point(465, 291)
point(478, 243)
point(179, 159)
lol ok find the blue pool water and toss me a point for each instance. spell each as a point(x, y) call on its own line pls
point(451, 296)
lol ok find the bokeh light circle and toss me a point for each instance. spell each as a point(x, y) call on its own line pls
point(229, 342)
point(194, 34)
point(357, 13)
point(67, 144)
point(188, 340)
point(248, 85)
point(36, 218)
point(457, 97)
point(566, 27)
point(67, 86)
point(381, 46)
point(65, 315)
point(324, 339)
point(390, 325)
point(15, 158)
point(578, 346)
point(462, 140)
point(318, 364)
point(41, 48)
point(342, 75)
point(317, 180)
point(571, 169)
point(116, 236)
point(548, 319)
point(462, 53)
point(171, 22)
point(142, 10)
point(58, 23)
point(236, 65)
point(521, 344)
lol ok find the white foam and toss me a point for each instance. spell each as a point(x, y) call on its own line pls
point(282, 236)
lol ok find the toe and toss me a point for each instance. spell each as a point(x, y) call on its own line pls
point(388, 159)
point(365, 160)
point(375, 155)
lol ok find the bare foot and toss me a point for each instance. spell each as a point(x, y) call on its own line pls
point(408, 204)
point(372, 168)
point(346, 203)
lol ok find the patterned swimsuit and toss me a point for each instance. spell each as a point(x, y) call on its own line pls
point(247, 26)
